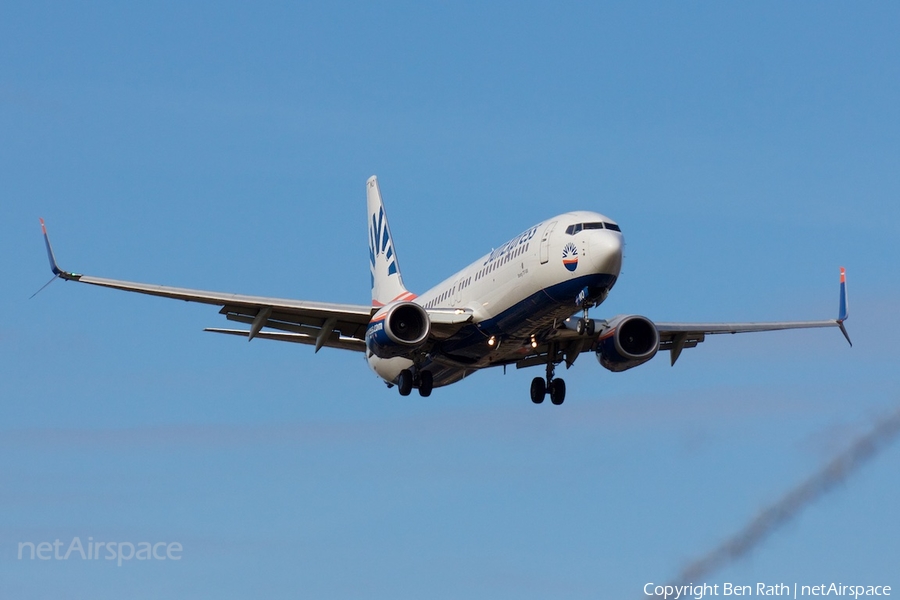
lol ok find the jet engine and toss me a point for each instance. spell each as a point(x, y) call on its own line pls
point(626, 342)
point(397, 329)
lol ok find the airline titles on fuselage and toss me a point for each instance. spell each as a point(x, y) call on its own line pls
point(495, 259)
point(511, 245)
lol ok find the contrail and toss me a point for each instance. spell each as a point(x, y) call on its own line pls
point(785, 509)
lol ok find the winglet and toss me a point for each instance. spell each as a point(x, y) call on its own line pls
point(53, 264)
point(844, 310)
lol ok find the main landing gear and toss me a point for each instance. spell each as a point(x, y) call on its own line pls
point(423, 380)
point(540, 387)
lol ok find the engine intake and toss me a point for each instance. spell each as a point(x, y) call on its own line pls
point(627, 342)
point(397, 329)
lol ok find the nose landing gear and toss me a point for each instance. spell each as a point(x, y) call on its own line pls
point(585, 326)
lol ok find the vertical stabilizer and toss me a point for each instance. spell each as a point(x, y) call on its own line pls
point(387, 285)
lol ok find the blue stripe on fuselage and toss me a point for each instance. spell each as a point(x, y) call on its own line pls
point(534, 313)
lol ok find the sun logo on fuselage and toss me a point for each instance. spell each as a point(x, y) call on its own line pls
point(570, 256)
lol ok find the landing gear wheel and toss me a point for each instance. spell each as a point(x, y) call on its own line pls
point(426, 383)
point(584, 327)
point(538, 390)
point(405, 382)
point(557, 391)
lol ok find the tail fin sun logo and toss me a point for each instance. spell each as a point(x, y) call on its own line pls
point(570, 256)
point(380, 242)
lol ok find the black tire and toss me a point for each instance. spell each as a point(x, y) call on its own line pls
point(538, 390)
point(405, 382)
point(579, 326)
point(590, 329)
point(426, 383)
point(557, 391)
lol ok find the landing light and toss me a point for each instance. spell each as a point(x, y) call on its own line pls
point(492, 341)
point(533, 342)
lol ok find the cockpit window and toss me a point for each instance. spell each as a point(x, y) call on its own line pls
point(573, 229)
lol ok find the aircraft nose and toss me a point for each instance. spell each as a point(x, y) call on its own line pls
point(606, 252)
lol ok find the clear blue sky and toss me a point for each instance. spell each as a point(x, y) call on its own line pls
point(747, 151)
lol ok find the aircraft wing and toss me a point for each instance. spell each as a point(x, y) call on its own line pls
point(677, 336)
point(315, 323)
point(564, 344)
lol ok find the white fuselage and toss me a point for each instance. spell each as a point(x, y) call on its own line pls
point(519, 290)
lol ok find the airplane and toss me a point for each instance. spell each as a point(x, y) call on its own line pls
point(525, 303)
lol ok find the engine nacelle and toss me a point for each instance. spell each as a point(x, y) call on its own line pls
point(397, 329)
point(627, 342)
